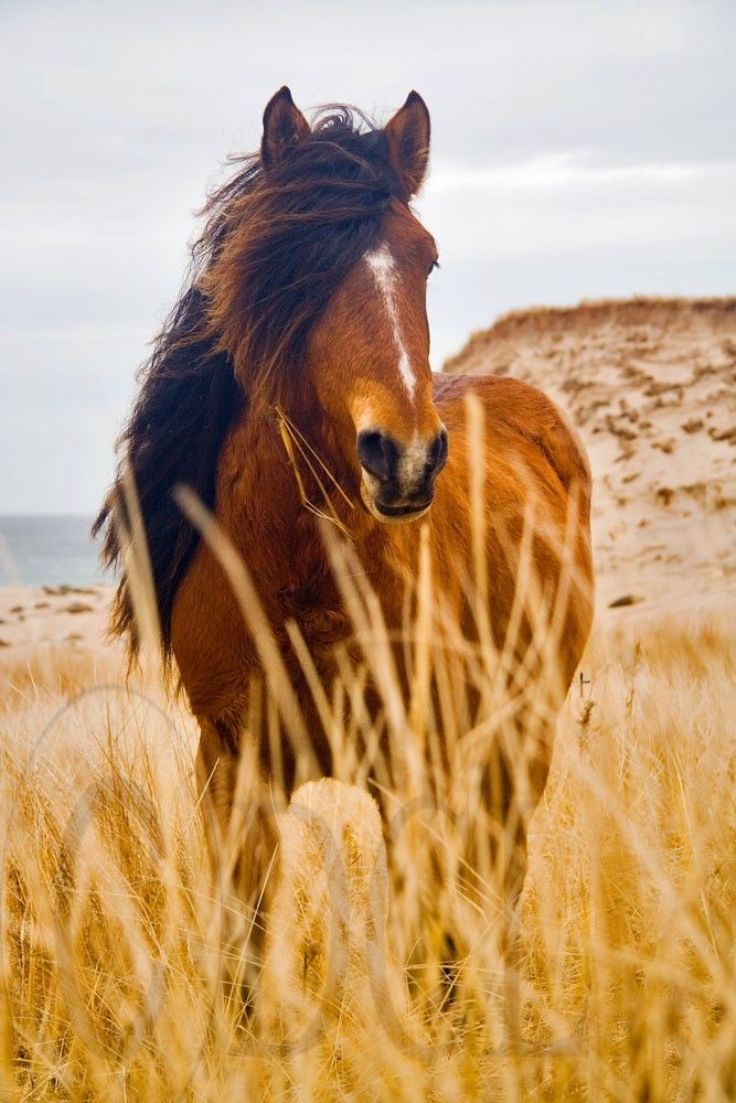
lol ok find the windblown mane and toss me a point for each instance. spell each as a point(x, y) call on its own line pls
point(277, 244)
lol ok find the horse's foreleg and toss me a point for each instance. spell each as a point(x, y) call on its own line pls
point(240, 831)
point(513, 787)
point(216, 772)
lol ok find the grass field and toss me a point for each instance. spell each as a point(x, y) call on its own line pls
point(117, 956)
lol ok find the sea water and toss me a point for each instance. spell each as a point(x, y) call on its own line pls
point(38, 551)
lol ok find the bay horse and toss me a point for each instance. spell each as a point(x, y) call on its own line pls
point(304, 323)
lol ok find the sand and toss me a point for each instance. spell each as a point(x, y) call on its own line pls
point(38, 618)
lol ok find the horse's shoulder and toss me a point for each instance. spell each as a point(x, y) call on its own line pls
point(521, 412)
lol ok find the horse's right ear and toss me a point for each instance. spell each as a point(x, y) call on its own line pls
point(283, 126)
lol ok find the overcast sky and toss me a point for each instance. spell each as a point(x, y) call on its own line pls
point(580, 149)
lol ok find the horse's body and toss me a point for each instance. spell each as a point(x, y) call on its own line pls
point(212, 644)
point(358, 391)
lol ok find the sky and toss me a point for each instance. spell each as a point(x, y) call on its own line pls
point(581, 149)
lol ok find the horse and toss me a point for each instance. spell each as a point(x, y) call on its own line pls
point(291, 390)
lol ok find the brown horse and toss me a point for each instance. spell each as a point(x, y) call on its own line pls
point(293, 378)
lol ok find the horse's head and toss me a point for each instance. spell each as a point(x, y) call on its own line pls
point(367, 356)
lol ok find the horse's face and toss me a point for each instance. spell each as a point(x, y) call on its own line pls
point(368, 356)
point(370, 363)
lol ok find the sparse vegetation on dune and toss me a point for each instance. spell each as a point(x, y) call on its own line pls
point(120, 965)
point(592, 314)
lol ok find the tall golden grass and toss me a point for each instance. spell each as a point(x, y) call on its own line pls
point(126, 974)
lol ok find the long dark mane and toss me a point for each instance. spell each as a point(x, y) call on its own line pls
point(277, 244)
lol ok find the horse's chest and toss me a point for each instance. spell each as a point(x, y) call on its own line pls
point(314, 606)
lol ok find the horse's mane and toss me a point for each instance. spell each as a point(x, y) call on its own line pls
point(277, 244)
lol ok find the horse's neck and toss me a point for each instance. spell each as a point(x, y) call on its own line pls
point(256, 485)
point(267, 498)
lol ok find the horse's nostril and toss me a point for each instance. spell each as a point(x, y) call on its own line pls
point(378, 454)
point(437, 455)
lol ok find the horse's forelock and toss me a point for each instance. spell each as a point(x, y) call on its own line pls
point(281, 240)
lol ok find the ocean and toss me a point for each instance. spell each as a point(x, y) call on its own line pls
point(50, 551)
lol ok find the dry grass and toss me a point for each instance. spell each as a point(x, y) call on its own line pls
point(117, 956)
point(127, 975)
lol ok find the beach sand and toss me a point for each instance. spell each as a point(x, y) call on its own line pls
point(38, 618)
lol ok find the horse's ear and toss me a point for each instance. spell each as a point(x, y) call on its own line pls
point(283, 126)
point(408, 142)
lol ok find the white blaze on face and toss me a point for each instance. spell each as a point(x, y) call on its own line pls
point(383, 267)
point(412, 464)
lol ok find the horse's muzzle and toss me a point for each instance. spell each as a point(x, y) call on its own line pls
point(398, 481)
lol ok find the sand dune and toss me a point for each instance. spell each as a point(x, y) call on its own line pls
point(651, 386)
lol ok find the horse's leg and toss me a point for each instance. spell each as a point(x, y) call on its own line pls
point(513, 786)
point(216, 769)
point(240, 832)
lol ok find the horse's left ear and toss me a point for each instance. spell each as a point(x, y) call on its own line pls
point(408, 142)
point(283, 126)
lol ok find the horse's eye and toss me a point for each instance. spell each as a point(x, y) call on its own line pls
point(435, 264)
